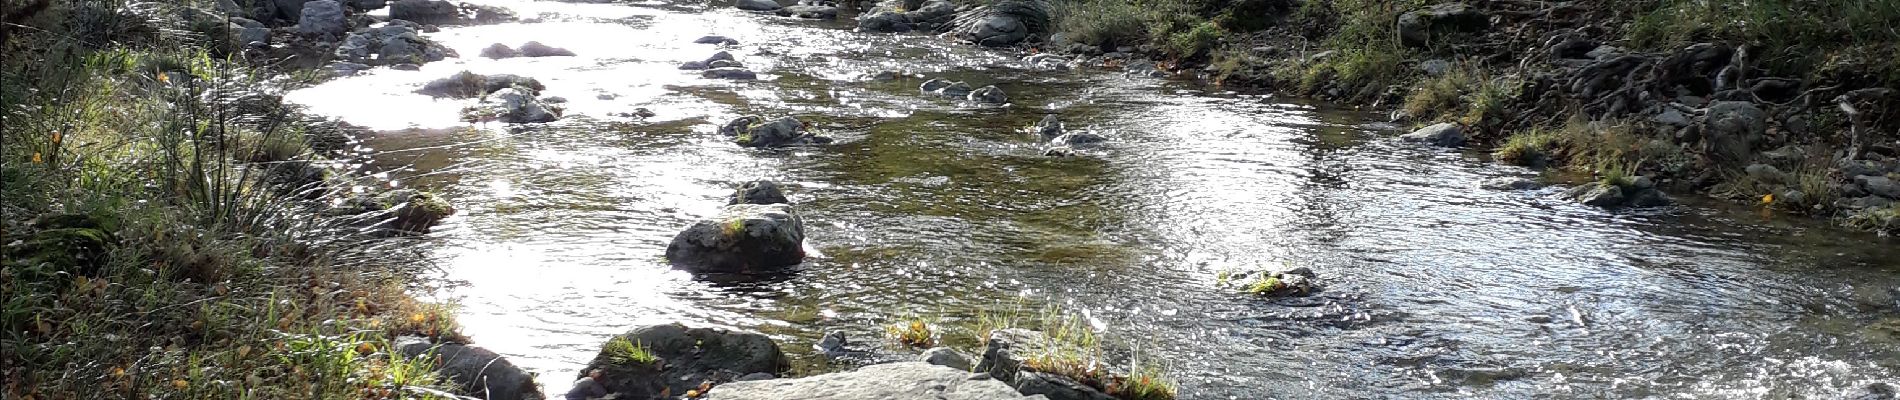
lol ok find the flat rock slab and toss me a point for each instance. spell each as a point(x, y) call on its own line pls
point(896, 381)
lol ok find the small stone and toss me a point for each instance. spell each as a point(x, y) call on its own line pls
point(1511, 183)
point(1671, 117)
point(1435, 67)
point(946, 357)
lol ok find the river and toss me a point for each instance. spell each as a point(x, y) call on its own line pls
point(935, 208)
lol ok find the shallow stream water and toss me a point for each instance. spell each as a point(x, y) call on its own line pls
point(943, 209)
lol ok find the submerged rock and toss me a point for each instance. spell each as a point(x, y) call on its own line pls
point(955, 89)
point(989, 94)
point(756, 5)
point(390, 44)
point(903, 380)
point(514, 105)
point(467, 84)
point(661, 361)
point(758, 192)
point(397, 212)
point(809, 12)
point(1049, 127)
point(499, 51)
point(743, 237)
point(1272, 282)
point(1077, 139)
point(1047, 61)
point(719, 40)
point(1637, 192)
point(1511, 183)
point(754, 131)
point(474, 370)
point(536, 49)
point(1444, 134)
point(729, 73)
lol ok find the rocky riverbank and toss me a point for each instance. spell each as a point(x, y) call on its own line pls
point(1596, 89)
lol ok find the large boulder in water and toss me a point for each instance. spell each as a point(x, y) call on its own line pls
point(673, 359)
point(474, 370)
point(743, 237)
point(903, 380)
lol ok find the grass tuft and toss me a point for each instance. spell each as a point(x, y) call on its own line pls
point(622, 351)
point(913, 332)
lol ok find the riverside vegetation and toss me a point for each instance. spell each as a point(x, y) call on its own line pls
point(173, 230)
point(1606, 89)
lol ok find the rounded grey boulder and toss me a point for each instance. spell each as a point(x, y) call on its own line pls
point(742, 238)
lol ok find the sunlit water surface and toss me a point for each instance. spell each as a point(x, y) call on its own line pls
point(944, 209)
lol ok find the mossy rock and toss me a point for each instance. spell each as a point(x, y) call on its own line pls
point(75, 244)
point(416, 211)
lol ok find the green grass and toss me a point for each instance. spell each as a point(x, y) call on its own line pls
point(622, 351)
point(1531, 147)
point(1840, 39)
point(1885, 220)
point(159, 260)
point(1144, 382)
point(1264, 285)
point(1075, 351)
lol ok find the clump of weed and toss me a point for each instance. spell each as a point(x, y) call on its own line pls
point(1531, 148)
point(622, 351)
point(913, 332)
